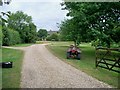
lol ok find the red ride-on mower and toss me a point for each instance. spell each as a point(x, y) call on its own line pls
point(73, 52)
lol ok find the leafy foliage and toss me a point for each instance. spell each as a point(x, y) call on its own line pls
point(93, 21)
point(18, 28)
point(53, 37)
point(69, 31)
point(42, 34)
point(10, 37)
point(23, 24)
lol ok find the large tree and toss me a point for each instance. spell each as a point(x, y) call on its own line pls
point(23, 24)
point(9, 36)
point(95, 20)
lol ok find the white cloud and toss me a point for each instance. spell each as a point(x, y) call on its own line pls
point(45, 14)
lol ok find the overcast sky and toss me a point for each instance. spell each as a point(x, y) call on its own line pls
point(45, 13)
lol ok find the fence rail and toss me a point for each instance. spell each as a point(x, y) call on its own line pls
point(108, 58)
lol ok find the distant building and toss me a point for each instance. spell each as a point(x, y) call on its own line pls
point(51, 32)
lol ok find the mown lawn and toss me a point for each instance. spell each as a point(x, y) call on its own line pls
point(87, 62)
point(11, 76)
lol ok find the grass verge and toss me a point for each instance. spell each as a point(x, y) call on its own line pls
point(87, 62)
point(11, 76)
point(22, 45)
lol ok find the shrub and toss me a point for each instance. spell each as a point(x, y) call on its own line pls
point(10, 37)
point(14, 37)
point(52, 37)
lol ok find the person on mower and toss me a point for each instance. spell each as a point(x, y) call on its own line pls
point(73, 52)
point(70, 48)
point(78, 50)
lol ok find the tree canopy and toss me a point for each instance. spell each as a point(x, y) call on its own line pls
point(18, 28)
point(23, 24)
point(53, 37)
point(92, 21)
point(42, 34)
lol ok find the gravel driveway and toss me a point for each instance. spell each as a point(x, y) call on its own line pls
point(41, 69)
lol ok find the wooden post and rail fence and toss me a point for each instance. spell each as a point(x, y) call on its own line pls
point(108, 58)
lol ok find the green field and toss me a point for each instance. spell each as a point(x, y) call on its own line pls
point(87, 62)
point(11, 76)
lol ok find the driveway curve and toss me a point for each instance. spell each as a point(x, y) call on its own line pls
point(41, 69)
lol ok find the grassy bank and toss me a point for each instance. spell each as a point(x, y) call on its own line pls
point(87, 62)
point(11, 76)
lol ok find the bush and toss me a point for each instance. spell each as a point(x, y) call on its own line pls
point(52, 37)
point(10, 37)
point(14, 37)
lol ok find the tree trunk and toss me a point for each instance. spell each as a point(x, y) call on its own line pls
point(75, 42)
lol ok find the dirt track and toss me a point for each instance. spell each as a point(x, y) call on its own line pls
point(41, 69)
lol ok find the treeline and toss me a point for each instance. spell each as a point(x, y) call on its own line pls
point(17, 28)
point(96, 22)
point(43, 34)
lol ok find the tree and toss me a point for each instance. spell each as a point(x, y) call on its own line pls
point(104, 21)
point(23, 24)
point(94, 19)
point(53, 37)
point(69, 31)
point(10, 37)
point(42, 34)
point(78, 29)
point(32, 37)
point(18, 28)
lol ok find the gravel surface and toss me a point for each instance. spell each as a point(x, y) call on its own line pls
point(41, 69)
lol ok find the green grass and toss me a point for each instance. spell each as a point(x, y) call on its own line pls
point(11, 76)
point(87, 62)
point(22, 45)
point(42, 42)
